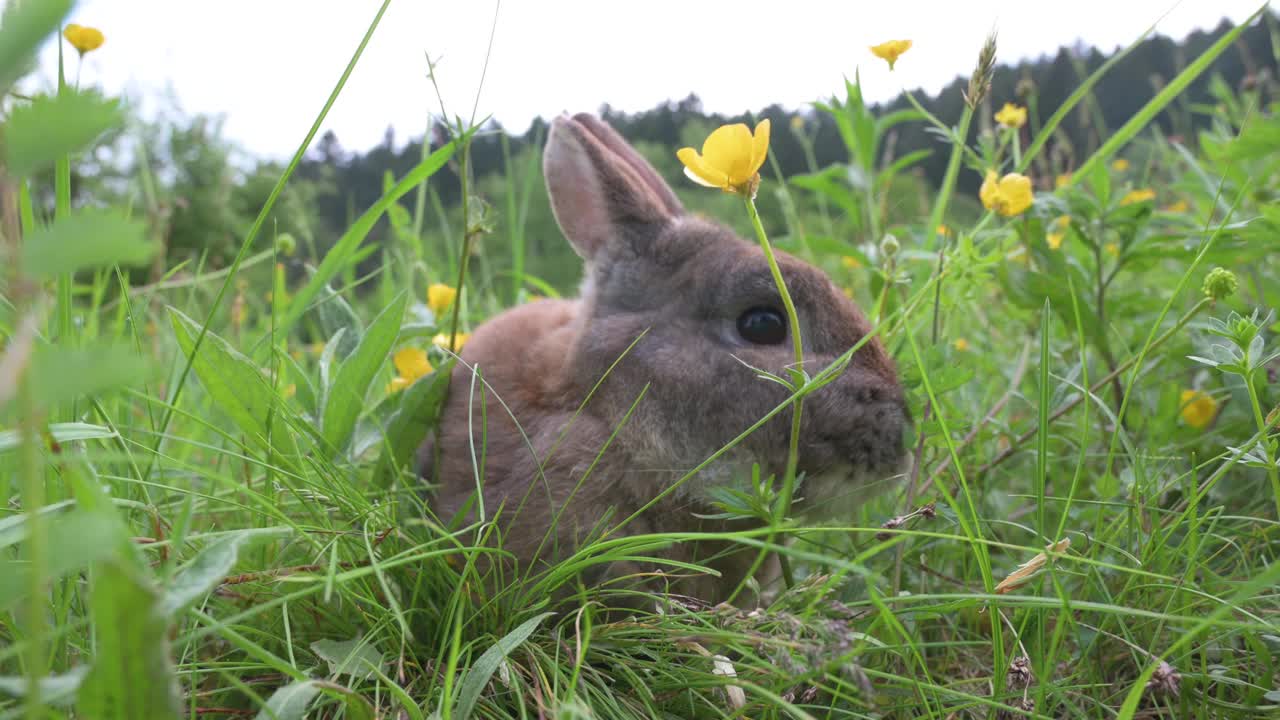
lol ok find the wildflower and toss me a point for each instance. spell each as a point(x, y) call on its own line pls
point(1119, 164)
point(83, 39)
point(961, 344)
point(850, 262)
point(1054, 240)
point(1164, 681)
point(1026, 570)
point(1012, 116)
point(1137, 196)
point(1220, 283)
point(1009, 195)
point(1198, 408)
point(411, 364)
point(944, 231)
point(440, 297)
point(286, 245)
point(889, 245)
point(731, 158)
point(1111, 249)
point(1180, 206)
point(1062, 181)
point(890, 51)
point(1058, 233)
point(442, 340)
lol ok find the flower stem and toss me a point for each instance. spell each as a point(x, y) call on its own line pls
point(1273, 473)
point(798, 379)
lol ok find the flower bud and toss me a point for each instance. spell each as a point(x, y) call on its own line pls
point(1220, 283)
point(286, 245)
point(889, 245)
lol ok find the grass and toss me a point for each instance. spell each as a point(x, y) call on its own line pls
point(208, 511)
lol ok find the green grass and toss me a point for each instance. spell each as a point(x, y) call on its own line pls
point(207, 509)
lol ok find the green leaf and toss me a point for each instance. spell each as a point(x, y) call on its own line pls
point(341, 253)
point(232, 380)
point(419, 412)
point(472, 684)
point(207, 569)
point(132, 677)
point(355, 657)
point(87, 238)
point(54, 689)
point(344, 400)
point(61, 432)
point(50, 127)
point(76, 540)
point(291, 701)
point(335, 315)
point(61, 375)
point(24, 26)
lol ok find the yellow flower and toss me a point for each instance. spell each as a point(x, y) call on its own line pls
point(1054, 239)
point(1012, 116)
point(442, 340)
point(1111, 249)
point(1180, 206)
point(411, 364)
point(944, 231)
point(1061, 181)
point(1059, 232)
point(1198, 408)
point(891, 51)
point(1009, 195)
point(961, 344)
point(440, 297)
point(1137, 196)
point(851, 262)
point(83, 39)
point(731, 158)
point(1119, 164)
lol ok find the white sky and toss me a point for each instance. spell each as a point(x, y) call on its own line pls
point(268, 65)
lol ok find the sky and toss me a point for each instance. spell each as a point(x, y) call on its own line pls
point(269, 65)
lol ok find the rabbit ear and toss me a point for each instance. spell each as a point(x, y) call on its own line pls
point(600, 187)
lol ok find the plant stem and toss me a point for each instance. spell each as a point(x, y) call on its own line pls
point(798, 379)
point(1273, 472)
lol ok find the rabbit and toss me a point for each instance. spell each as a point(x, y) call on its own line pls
point(674, 312)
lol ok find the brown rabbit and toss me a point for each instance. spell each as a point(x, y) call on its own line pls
point(673, 310)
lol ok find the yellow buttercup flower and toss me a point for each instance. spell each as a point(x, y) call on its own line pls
point(944, 231)
point(1137, 196)
point(730, 159)
point(961, 344)
point(440, 297)
point(1061, 181)
point(83, 39)
point(411, 364)
point(1009, 195)
point(1119, 164)
point(442, 340)
point(1180, 206)
point(850, 262)
point(1111, 249)
point(891, 51)
point(1012, 116)
point(1198, 408)
point(1054, 240)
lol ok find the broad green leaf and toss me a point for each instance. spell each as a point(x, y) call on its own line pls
point(472, 684)
point(61, 432)
point(54, 689)
point(341, 253)
point(132, 675)
point(87, 238)
point(53, 126)
point(76, 540)
point(355, 657)
point(335, 315)
point(345, 399)
point(61, 375)
point(419, 412)
point(232, 380)
point(292, 701)
point(206, 570)
point(24, 26)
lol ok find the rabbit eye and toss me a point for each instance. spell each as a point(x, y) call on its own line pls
point(762, 326)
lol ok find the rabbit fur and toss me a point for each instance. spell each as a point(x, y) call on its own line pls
point(656, 327)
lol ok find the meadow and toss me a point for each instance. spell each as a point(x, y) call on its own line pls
point(209, 507)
